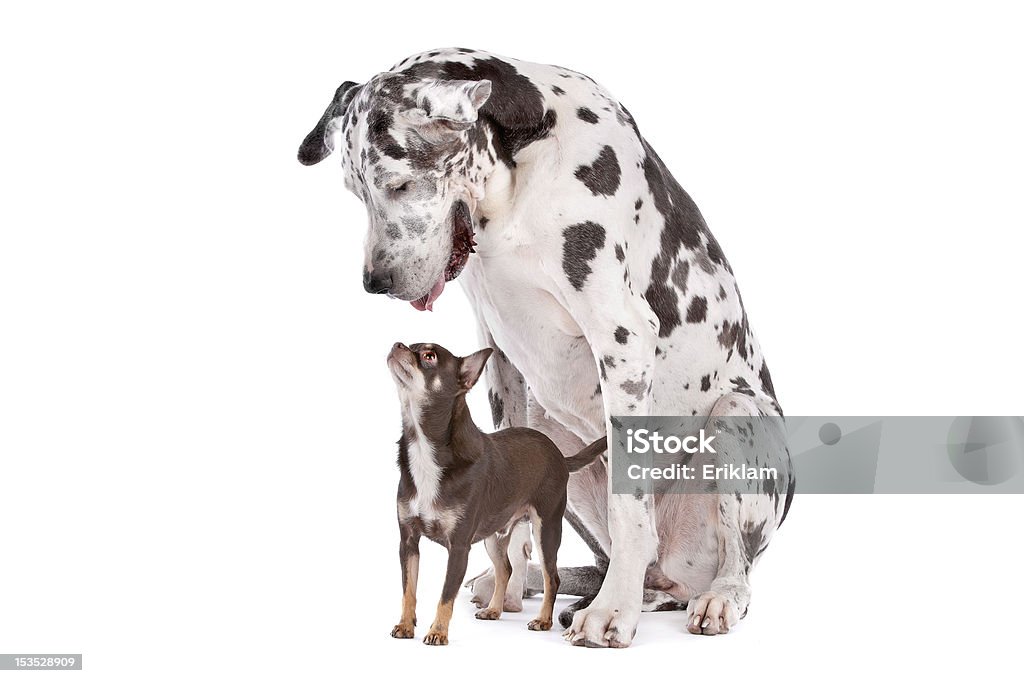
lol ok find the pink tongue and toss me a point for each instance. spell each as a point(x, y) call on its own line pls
point(426, 303)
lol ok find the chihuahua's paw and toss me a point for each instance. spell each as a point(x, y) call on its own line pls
point(403, 631)
point(539, 625)
point(436, 638)
point(488, 614)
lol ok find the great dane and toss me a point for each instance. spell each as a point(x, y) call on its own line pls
point(595, 278)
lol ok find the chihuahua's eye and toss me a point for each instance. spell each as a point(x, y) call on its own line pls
point(429, 356)
point(400, 189)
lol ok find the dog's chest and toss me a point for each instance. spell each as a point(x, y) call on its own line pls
point(436, 518)
point(540, 337)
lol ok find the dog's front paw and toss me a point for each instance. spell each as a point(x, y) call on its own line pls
point(711, 614)
point(488, 614)
point(403, 631)
point(603, 626)
point(436, 638)
point(539, 625)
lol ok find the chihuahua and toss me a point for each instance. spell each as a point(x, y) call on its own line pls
point(459, 485)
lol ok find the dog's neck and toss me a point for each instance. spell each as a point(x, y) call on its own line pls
point(444, 428)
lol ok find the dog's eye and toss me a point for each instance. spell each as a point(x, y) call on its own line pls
point(429, 356)
point(400, 189)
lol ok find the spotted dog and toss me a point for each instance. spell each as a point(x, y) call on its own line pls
point(595, 278)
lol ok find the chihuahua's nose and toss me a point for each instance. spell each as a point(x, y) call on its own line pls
point(376, 283)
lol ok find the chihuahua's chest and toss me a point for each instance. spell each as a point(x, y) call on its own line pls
point(426, 506)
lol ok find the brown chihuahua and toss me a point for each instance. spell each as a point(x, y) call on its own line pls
point(459, 485)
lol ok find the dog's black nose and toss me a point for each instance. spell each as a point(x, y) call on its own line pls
point(377, 283)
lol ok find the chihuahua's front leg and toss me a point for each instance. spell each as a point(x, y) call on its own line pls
point(409, 556)
point(458, 557)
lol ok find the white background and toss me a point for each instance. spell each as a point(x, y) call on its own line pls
point(196, 422)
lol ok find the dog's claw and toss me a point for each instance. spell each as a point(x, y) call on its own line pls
point(711, 614)
point(583, 642)
point(604, 626)
point(403, 631)
point(539, 625)
point(488, 614)
point(436, 638)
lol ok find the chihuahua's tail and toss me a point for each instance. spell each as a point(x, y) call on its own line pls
point(587, 455)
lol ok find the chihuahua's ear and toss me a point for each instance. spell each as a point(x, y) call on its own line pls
point(471, 366)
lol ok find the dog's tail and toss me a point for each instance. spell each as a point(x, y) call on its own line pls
point(587, 455)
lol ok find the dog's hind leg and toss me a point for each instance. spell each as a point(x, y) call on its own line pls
point(746, 520)
point(548, 536)
point(497, 550)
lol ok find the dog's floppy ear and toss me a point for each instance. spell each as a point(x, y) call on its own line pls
point(448, 104)
point(471, 366)
point(317, 145)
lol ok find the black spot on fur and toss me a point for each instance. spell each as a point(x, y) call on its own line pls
point(680, 275)
point(790, 490)
point(665, 304)
point(753, 537)
point(497, 408)
point(582, 242)
point(734, 336)
point(684, 227)
point(741, 386)
point(766, 380)
point(698, 310)
point(558, 91)
point(585, 114)
point(379, 123)
point(619, 253)
point(705, 383)
point(603, 175)
point(621, 334)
